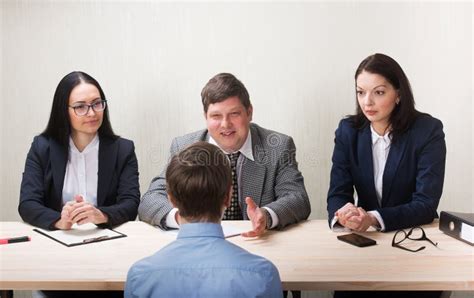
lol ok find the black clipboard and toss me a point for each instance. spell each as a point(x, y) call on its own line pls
point(98, 235)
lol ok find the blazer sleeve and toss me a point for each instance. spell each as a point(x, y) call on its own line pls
point(32, 206)
point(291, 203)
point(421, 209)
point(341, 186)
point(128, 191)
point(154, 206)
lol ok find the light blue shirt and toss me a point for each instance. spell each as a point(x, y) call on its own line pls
point(201, 263)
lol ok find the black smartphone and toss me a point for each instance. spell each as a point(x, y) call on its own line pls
point(357, 240)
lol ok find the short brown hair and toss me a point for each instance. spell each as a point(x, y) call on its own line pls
point(221, 87)
point(199, 180)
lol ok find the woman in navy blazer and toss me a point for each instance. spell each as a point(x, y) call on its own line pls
point(79, 121)
point(393, 155)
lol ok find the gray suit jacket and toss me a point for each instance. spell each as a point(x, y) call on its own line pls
point(272, 179)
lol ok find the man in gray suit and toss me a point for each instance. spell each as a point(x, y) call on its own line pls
point(268, 188)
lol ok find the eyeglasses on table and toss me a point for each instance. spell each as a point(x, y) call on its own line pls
point(415, 234)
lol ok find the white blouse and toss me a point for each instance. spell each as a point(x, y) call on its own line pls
point(82, 172)
point(380, 150)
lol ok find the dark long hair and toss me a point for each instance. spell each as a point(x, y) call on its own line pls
point(404, 114)
point(59, 124)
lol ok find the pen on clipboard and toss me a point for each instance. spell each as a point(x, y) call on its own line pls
point(15, 240)
point(89, 240)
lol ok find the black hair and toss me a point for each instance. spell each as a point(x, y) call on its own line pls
point(59, 124)
point(404, 114)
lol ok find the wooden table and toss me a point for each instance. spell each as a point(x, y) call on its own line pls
point(308, 256)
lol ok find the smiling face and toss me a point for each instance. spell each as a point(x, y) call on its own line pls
point(228, 123)
point(377, 99)
point(88, 124)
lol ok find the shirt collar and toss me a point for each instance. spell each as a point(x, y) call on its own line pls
point(375, 136)
point(206, 229)
point(246, 148)
point(91, 146)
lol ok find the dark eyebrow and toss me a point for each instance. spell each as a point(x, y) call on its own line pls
point(382, 85)
point(84, 102)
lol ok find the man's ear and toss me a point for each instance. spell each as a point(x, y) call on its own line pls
point(172, 200)
point(250, 112)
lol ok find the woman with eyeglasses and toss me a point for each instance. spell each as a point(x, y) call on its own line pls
point(391, 154)
point(78, 171)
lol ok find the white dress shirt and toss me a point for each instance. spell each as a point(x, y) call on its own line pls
point(245, 152)
point(380, 150)
point(82, 172)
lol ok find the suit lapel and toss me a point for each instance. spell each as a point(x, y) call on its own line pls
point(393, 160)
point(205, 136)
point(58, 157)
point(366, 162)
point(252, 175)
point(108, 150)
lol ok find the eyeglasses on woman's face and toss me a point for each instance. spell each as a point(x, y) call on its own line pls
point(81, 109)
point(416, 234)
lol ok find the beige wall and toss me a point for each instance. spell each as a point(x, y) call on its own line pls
point(296, 59)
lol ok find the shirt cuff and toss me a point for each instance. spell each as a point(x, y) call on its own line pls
point(379, 219)
point(274, 217)
point(336, 226)
point(171, 219)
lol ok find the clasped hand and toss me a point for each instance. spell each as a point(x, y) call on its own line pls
point(79, 211)
point(355, 218)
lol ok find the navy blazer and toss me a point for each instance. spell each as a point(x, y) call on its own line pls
point(118, 193)
point(412, 180)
